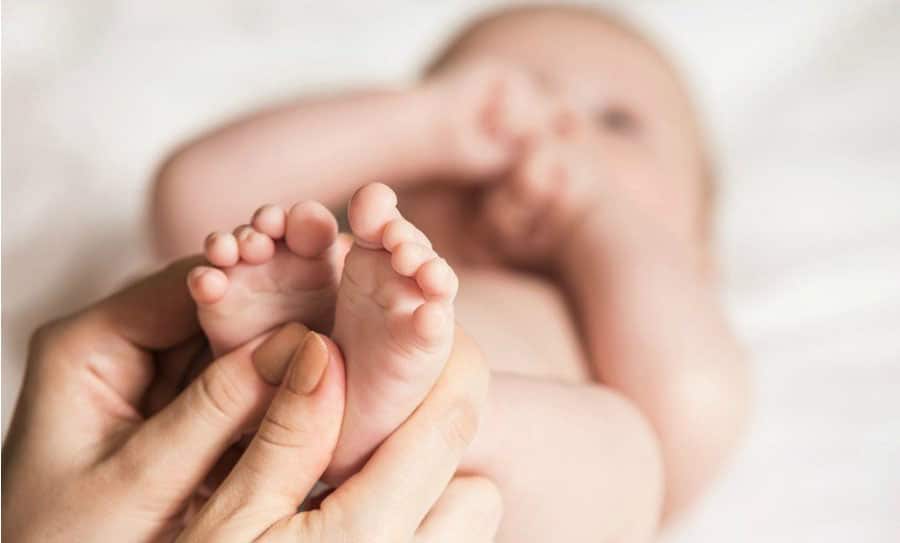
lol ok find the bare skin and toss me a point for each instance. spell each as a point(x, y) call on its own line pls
point(560, 176)
point(392, 309)
point(237, 298)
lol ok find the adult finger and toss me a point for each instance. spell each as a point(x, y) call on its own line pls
point(410, 470)
point(176, 368)
point(291, 449)
point(185, 439)
point(111, 339)
point(468, 510)
point(156, 312)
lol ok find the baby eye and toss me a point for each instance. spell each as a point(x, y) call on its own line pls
point(616, 119)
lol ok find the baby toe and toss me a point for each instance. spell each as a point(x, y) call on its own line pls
point(221, 249)
point(430, 321)
point(400, 231)
point(408, 257)
point(254, 247)
point(311, 229)
point(207, 285)
point(437, 280)
point(269, 220)
point(369, 212)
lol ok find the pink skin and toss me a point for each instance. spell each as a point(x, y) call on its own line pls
point(560, 179)
point(281, 267)
point(393, 321)
point(497, 108)
point(468, 124)
point(392, 313)
point(598, 321)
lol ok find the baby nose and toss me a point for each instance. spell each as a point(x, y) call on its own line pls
point(565, 120)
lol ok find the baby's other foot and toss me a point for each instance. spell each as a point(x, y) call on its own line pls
point(394, 324)
point(281, 267)
point(488, 110)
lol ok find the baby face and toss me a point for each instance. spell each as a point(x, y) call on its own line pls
point(645, 132)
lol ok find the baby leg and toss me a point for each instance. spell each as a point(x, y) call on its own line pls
point(574, 462)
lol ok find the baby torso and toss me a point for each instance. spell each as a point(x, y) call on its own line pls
point(521, 321)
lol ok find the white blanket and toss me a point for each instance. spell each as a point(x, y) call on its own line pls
point(802, 98)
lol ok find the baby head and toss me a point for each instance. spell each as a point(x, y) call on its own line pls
point(611, 77)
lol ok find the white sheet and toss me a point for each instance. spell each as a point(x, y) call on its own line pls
point(802, 99)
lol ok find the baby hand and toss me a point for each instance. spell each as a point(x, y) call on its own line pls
point(488, 110)
point(533, 209)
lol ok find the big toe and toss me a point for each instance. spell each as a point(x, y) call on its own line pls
point(310, 230)
point(369, 211)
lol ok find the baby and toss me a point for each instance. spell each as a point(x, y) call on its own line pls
point(550, 169)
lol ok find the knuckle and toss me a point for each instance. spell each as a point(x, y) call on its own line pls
point(280, 431)
point(217, 395)
point(45, 336)
point(313, 526)
point(42, 335)
point(461, 423)
point(467, 384)
point(53, 343)
point(128, 467)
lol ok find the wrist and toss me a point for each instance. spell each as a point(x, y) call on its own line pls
point(459, 115)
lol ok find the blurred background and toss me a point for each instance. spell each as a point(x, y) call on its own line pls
point(802, 102)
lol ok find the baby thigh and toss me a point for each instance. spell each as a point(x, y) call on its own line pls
point(574, 462)
point(522, 324)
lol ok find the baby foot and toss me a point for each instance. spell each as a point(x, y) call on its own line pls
point(281, 267)
point(487, 111)
point(394, 324)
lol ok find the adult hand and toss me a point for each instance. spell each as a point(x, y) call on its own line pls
point(83, 461)
point(405, 480)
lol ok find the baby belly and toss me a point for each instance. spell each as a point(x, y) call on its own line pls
point(522, 323)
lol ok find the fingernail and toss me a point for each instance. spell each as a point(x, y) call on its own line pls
point(272, 358)
point(309, 363)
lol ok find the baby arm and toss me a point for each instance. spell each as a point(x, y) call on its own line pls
point(314, 149)
point(326, 148)
point(654, 332)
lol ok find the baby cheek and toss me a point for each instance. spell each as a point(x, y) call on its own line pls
point(646, 183)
